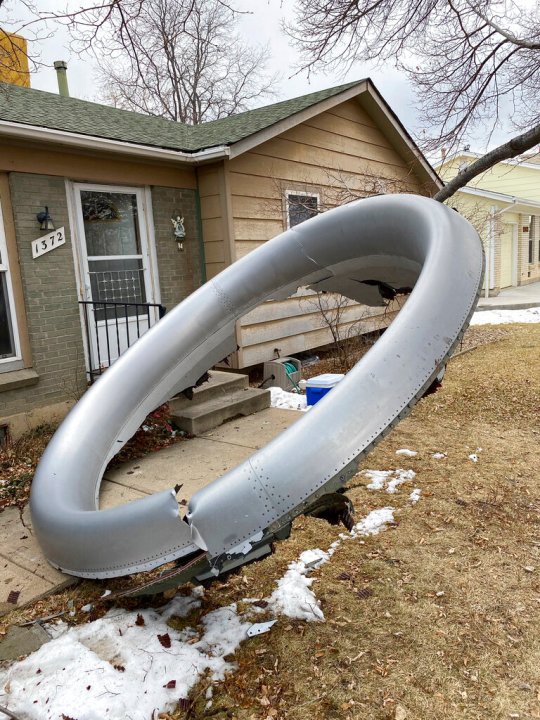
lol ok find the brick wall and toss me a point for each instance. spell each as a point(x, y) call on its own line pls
point(179, 270)
point(50, 293)
point(50, 290)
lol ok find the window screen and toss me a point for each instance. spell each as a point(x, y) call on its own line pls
point(301, 207)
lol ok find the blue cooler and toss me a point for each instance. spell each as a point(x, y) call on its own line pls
point(317, 387)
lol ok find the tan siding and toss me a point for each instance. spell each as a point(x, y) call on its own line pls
point(255, 229)
point(351, 110)
point(314, 173)
point(214, 252)
point(255, 186)
point(245, 247)
point(211, 206)
point(305, 318)
point(254, 354)
point(302, 303)
point(319, 156)
point(330, 159)
point(94, 167)
point(213, 269)
point(246, 208)
point(348, 128)
point(214, 219)
point(325, 140)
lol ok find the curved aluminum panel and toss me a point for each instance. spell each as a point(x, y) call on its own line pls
point(401, 240)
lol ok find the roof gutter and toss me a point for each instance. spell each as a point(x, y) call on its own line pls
point(512, 200)
point(91, 142)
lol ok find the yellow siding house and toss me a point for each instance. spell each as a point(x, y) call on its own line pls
point(504, 205)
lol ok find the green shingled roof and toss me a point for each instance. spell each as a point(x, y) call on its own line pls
point(48, 110)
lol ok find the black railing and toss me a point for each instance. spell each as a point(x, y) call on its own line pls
point(112, 327)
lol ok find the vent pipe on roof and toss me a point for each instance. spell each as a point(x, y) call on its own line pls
point(61, 75)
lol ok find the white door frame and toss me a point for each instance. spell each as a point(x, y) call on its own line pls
point(147, 236)
point(515, 253)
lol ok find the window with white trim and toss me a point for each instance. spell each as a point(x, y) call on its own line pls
point(9, 337)
point(301, 206)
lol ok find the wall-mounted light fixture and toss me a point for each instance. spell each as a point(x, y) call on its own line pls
point(45, 220)
point(178, 230)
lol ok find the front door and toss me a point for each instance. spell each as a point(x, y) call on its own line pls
point(118, 284)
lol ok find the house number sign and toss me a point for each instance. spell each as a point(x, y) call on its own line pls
point(48, 242)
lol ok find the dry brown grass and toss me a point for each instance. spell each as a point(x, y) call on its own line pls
point(439, 616)
point(392, 643)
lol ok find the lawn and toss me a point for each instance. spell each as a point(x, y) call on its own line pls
point(437, 616)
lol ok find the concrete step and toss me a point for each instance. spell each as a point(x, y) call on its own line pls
point(219, 385)
point(216, 410)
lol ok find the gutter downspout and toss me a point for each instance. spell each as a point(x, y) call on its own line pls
point(202, 256)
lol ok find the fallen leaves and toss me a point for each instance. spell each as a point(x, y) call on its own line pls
point(165, 640)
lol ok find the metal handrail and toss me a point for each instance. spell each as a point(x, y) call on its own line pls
point(97, 365)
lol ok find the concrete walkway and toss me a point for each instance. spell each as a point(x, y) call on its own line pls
point(513, 298)
point(25, 575)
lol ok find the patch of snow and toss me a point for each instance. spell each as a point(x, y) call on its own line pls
point(414, 497)
point(439, 455)
point(388, 480)
point(293, 596)
point(133, 664)
point(116, 667)
point(287, 400)
point(374, 523)
point(503, 317)
point(407, 452)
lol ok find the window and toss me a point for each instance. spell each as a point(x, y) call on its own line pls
point(9, 339)
point(301, 206)
point(532, 235)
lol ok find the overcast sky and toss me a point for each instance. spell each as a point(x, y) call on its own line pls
point(262, 25)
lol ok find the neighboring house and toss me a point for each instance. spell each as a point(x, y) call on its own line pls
point(504, 205)
point(151, 209)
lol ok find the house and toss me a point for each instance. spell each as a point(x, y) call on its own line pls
point(504, 205)
point(109, 217)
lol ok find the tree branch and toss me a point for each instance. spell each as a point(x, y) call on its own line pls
point(513, 148)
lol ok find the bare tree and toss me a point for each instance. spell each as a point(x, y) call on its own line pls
point(175, 58)
point(471, 61)
point(188, 67)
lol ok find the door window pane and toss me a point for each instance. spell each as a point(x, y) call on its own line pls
point(7, 344)
point(120, 281)
point(111, 224)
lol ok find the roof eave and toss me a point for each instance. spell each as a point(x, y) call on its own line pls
point(270, 132)
point(91, 142)
point(515, 203)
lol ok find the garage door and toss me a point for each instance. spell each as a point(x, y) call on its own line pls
point(507, 256)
